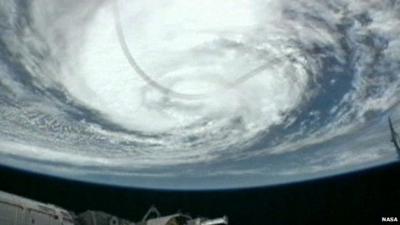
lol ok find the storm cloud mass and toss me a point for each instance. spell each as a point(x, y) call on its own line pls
point(198, 94)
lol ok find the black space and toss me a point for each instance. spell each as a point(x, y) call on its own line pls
point(357, 198)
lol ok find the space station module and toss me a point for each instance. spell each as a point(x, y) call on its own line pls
point(16, 210)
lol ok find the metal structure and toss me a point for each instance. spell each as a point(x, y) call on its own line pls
point(395, 136)
point(164, 89)
point(16, 210)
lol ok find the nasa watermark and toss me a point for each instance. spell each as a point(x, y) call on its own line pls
point(390, 219)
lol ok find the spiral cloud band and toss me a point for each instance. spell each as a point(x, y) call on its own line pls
point(197, 94)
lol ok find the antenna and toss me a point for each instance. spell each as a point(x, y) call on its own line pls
point(163, 89)
point(152, 210)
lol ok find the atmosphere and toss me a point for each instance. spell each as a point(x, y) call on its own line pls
point(200, 94)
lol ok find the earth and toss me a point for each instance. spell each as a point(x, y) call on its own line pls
point(200, 94)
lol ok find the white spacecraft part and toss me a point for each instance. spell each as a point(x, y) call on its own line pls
point(16, 210)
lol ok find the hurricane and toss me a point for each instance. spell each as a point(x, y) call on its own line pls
point(198, 94)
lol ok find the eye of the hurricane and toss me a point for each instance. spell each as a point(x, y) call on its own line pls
point(155, 68)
